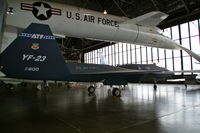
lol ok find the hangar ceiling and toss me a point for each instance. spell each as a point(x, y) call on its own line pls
point(179, 11)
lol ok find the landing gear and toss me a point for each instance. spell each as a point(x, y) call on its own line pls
point(186, 85)
point(46, 86)
point(7, 86)
point(10, 86)
point(91, 89)
point(116, 92)
point(39, 87)
point(155, 87)
point(43, 87)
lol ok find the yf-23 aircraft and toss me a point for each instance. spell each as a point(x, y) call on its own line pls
point(35, 55)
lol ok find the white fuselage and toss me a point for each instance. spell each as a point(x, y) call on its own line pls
point(81, 23)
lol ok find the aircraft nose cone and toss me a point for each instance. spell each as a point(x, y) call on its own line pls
point(174, 45)
point(170, 44)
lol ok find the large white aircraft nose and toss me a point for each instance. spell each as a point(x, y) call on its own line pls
point(170, 44)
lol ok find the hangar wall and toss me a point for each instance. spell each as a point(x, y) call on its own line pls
point(186, 34)
point(3, 9)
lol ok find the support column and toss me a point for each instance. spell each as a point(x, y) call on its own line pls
point(82, 56)
point(3, 10)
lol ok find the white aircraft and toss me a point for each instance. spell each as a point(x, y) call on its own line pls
point(82, 23)
point(65, 20)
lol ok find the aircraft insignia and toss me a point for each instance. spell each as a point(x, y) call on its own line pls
point(35, 46)
point(41, 10)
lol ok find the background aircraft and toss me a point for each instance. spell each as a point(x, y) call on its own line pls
point(35, 56)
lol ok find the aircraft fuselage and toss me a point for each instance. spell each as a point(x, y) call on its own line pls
point(81, 23)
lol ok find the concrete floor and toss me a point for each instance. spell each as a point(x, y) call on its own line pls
point(171, 109)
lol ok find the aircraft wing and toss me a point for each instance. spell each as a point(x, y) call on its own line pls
point(123, 77)
point(151, 19)
point(129, 72)
point(194, 71)
point(17, 81)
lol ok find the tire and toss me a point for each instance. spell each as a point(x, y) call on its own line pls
point(91, 89)
point(116, 92)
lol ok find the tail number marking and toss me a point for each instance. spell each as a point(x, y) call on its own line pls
point(32, 69)
point(38, 58)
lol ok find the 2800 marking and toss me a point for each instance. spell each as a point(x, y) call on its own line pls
point(32, 69)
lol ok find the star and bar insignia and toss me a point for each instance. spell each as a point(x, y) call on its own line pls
point(41, 10)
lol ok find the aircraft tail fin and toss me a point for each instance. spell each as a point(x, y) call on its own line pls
point(35, 55)
point(151, 19)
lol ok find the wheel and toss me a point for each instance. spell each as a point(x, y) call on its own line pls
point(116, 92)
point(91, 89)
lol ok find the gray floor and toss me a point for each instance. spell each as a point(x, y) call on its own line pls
point(171, 109)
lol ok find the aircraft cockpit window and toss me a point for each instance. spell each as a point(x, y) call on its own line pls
point(10, 10)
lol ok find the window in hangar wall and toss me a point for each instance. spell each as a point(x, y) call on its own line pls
point(186, 34)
